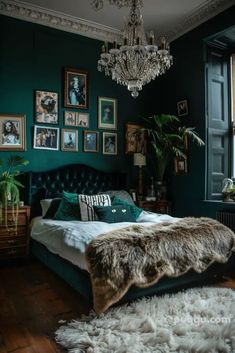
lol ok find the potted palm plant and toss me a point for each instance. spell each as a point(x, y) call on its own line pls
point(9, 186)
point(167, 139)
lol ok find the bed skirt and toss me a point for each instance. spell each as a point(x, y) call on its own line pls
point(79, 279)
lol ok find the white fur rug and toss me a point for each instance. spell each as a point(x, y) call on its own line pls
point(199, 320)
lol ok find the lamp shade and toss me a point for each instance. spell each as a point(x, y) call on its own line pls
point(139, 160)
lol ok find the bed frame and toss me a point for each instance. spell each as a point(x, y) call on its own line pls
point(84, 179)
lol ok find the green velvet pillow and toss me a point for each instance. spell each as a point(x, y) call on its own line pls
point(115, 214)
point(136, 211)
point(69, 209)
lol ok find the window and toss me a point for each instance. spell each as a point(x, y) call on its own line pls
point(218, 120)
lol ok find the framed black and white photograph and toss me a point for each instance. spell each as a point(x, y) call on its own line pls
point(107, 113)
point(182, 108)
point(46, 138)
point(69, 118)
point(90, 141)
point(181, 166)
point(110, 143)
point(82, 119)
point(69, 140)
point(75, 88)
point(46, 107)
point(12, 132)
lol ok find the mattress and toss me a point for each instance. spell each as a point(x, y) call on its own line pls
point(70, 239)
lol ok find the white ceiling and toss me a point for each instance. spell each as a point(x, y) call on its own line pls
point(165, 17)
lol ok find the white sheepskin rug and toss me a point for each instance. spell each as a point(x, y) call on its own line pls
point(199, 320)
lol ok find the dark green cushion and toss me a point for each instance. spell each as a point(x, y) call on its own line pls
point(69, 209)
point(134, 209)
point(115, 214)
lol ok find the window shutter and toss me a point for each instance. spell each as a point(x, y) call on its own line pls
point(218, 121)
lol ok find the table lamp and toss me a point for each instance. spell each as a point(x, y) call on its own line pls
point(140, 161)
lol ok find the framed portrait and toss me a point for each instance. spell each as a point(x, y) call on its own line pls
point(110, 143)
point(46, 138)
point(12, 132)
point(90, 141)
point(69, 140)
point(82, 119)
point(75, 88)
point(107, 113)
point(135, 139)
point(182, 108)
point(46, 107)
point(181, 166)
point(69, 118)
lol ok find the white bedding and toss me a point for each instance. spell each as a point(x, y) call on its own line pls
point(70, 239)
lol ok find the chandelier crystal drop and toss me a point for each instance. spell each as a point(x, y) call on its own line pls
point(137, 61)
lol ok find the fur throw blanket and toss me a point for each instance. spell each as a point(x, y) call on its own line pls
point(140, 255)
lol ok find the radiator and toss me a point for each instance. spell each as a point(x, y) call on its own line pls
point(227, 218)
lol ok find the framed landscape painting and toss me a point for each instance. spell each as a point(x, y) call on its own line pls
point(69, 140)
point(12, 132)
point(107, 113)
point(75, 88)
point(46, 107)
point(46, 138)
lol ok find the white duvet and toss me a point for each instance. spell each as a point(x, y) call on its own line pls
point(70, 239)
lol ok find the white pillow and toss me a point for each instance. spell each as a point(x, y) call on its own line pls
point(86, 203)
point(45, 204)
point(121, 194)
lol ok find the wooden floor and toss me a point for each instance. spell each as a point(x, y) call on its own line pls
point(33, 300)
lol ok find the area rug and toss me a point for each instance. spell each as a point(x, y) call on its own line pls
point(199, 320)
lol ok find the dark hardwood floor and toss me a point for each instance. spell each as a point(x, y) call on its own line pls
point(32, 302)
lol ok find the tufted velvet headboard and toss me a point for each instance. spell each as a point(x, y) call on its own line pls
point(77, 178)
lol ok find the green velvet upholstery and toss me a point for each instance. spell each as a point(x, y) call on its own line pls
point(74, 178)
point(80, 279)
point(115, 214)
point(134, 209)
point(68, 209)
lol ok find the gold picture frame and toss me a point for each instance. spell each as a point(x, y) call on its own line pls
point(75, 88)
point(181, 166)
point(12, 132)
point(135, 139)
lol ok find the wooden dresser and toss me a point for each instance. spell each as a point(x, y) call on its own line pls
point(14, 239)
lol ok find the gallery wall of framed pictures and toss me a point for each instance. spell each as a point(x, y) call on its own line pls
point(50, 132)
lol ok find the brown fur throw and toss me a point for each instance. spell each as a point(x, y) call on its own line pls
point(140, 255)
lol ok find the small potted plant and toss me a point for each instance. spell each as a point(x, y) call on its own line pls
point(9, 186)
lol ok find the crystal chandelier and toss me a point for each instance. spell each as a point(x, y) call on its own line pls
point(136, 62)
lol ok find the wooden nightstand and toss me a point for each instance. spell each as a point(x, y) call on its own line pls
point(162, 206)
point(14, 241)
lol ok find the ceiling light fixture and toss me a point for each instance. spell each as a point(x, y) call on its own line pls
point(136, 62)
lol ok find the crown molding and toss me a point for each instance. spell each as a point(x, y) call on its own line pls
point(36, 14)
point(32, 13)
point(201, 14)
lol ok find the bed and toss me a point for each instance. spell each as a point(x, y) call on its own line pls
point(66, 261)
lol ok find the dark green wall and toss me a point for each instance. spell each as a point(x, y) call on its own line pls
point(186, 80)
point(33, 57)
